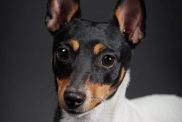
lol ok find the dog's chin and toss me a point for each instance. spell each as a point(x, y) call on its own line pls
point(79, 113)
point(75, 113)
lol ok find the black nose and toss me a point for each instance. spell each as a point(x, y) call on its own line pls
point(74, 99)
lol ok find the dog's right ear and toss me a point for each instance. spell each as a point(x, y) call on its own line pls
point(130, 15)
point(61, 12)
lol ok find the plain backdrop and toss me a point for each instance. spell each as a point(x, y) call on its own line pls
point(27, 91)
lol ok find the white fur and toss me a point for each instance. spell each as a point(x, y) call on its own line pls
point(154, 108)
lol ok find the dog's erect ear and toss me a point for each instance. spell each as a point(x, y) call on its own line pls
point(61, 12)
point(130, 15)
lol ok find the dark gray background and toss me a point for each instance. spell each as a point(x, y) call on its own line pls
point(26, 79)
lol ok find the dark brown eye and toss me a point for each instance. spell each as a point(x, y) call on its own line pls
point(108, 61)
point(63, 54)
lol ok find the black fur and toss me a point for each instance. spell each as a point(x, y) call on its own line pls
point(84, 61)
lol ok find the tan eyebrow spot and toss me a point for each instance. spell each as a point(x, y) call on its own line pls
point(98, 48)
point(74, 44)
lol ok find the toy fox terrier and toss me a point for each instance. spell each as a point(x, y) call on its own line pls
point(91, 66)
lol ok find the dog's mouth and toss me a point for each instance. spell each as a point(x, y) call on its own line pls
point(78, 112)
point(73, 112)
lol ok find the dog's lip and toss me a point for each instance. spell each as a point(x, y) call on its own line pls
point(73, 112)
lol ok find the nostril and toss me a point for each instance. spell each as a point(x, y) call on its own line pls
point(79, 101)
point(74, 99)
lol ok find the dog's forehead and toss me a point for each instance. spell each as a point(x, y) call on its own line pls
point(88, 33)
point(96, 32)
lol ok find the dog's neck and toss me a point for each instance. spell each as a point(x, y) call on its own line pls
point(107, 109)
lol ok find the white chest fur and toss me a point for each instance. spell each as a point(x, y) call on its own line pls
point(154, 108)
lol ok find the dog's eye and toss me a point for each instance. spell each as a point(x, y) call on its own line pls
point(63, 54)
point(108, 60)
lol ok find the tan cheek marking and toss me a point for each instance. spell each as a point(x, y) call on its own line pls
point(98, 48)
point(75, 44)
point(62, 85)
point(122, 74)
point(121, 77)
point(97, 93)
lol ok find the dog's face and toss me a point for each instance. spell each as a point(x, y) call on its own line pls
point(90, 59)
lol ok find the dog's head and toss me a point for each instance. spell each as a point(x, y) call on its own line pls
point(90, 58)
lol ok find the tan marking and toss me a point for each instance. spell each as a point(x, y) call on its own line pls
point(98, 48)
point(122, 74)
point(121, 77)
point(119, 15)
point(75, 44)
point(73, 10)
point(62, 85)
point(97, 93)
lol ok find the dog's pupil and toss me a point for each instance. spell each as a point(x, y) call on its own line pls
point(108, 60)
point(63, 54)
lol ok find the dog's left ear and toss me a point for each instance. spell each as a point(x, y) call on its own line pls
point(130, 15)
point(61, 12)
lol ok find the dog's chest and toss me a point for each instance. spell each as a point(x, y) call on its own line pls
point(98, 119)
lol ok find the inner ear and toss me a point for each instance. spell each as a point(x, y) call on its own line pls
point(61, 12)
point(130, 15)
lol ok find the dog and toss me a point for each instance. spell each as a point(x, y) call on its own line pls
point(91, 66)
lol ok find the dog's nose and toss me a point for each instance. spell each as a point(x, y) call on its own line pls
point(74, 99)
